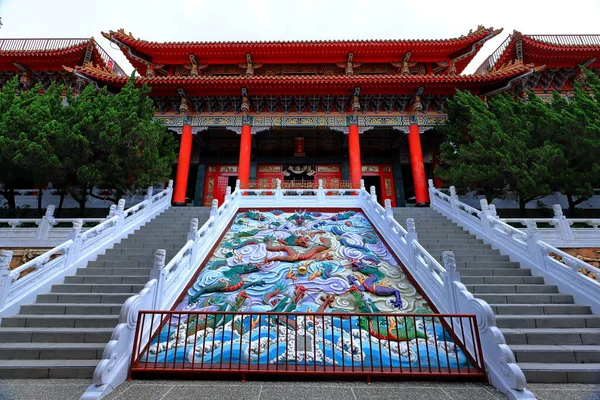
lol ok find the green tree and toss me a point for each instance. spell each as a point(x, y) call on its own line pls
point(9, 101)
point(575, 126)
point(474, 154)
point(128, 149)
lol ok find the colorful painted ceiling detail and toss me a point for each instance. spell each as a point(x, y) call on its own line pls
point(304, 262)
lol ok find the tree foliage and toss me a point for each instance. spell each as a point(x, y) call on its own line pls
point(528, 147)
point(95, 140)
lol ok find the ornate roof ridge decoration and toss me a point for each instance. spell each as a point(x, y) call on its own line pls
point(504, 70)
point(72, 50)
point(480, 31)
point(560, 42)
point(42, 45)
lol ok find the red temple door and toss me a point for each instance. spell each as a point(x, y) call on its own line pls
point(331, 174)
point(380, 176)
point(218, 177)
point(267, 175)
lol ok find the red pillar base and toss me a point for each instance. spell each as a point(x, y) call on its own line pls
point(183, 166)
point(418, 168)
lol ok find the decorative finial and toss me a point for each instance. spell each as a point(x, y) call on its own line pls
point(50, 211)
point(531, 226)
point(194, 225)
point(410, 225)
point(558, 212)
point(160, 258)
point(5, 257)
point(449, 261)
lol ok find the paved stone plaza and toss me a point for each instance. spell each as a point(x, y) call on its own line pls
point(71, 389)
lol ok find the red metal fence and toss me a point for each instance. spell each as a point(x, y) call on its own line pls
point(307, 343)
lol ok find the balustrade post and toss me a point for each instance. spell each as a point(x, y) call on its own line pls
point(493, 212)
point(5, 279)
point(237, 185)
point(410, 237)
point(562, 223)
point(120, 212)
point(320, 192)
point(148, 197)
point(373, 194)
point(46, 224)
point(453, 200)
point(112, 211)
point(533, 237)
point(431, 190)
point(228, 193)
point(362, 184)
point(214, 209)
point(389, 211)
point(278, 191)
point(158, 273)
point(483, 217)
point(192, 236)
point(170, 189)
point(74, 251)
point(450, 276)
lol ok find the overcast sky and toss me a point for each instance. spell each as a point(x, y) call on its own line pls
point(203, 20)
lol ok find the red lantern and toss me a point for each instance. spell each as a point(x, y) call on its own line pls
point(299, 147)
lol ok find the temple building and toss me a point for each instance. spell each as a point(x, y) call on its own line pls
point(304, 111)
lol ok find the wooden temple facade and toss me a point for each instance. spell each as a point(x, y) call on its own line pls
point(339, 111)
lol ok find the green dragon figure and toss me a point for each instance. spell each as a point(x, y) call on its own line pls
point(237, 241)
point(198, 322)
point(232, 281)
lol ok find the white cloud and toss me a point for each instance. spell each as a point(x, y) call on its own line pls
point(201, 20)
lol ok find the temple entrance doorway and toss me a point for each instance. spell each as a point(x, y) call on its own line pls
point(380, 176)
point(218, 177)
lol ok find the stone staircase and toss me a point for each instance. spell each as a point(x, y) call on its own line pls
point(554, 340)
point(63, 334)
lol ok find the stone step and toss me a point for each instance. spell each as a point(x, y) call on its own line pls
point(52, 369)
point(448, 242)
point(95, 288)
point(152, 241)
point(438, 250)
point(459, 247)
point(526, 298)
point(548, 321)
point(494, 271)
point(536, 336)
point(71, 308)
point(561, 372)
point(119, 264)
point(494, 280)
point(60, 321)
point(466, 257)
point(508, 288)
point(115, 271)
point(55, 335)
point(487, 264)
point(107, 279)
point(539, 309)
point(84, 298)
point(48, 351)
point(525, 353)
point(140, 258)
point(144, 248)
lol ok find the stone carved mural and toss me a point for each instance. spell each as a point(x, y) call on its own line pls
point(304, 262)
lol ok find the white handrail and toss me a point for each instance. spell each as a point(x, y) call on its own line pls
point(528, 246)
point(442, 285)
point(82, 246)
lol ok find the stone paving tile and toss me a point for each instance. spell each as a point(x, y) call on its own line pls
point(556, 394)
point(297, 392)
point(145, 392)
point(471, 394)
point(41, 392)
point(423, 393)
point(215, 392)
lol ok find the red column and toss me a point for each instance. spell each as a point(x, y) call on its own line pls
point(245, 153)
point(416, 161)
point(183, 165)
point(354, 156)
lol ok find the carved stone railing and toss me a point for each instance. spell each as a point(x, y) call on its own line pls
point(525, 246)
point(559, 230)
point(42, 272)
point(47, 231)
point(441, 284)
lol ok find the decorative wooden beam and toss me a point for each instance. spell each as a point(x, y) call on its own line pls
point(349, 65)
point(405, 64)
point(249, 66)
